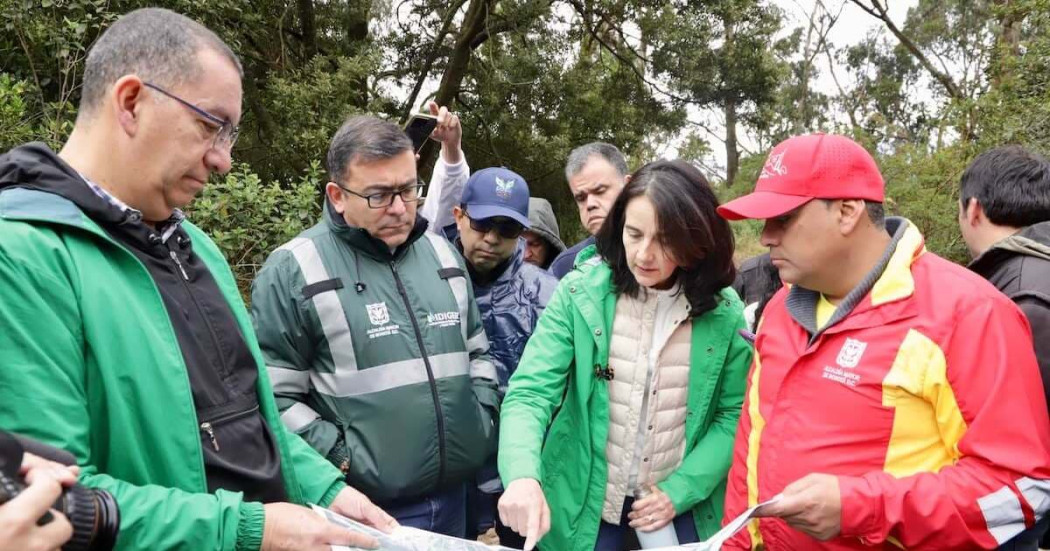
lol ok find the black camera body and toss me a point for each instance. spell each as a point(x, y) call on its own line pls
point(93, 513)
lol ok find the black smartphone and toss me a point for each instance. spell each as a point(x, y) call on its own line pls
point(419, 128)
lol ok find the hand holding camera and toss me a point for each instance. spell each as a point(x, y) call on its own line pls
point(19, 527)
point(43, 508)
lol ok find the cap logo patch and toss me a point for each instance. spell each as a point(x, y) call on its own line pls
point(504, 187)
point(774, 166)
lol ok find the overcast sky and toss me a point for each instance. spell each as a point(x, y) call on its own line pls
point(853, 25)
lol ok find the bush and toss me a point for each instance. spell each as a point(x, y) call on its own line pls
point(15, 127)
point(249, 219)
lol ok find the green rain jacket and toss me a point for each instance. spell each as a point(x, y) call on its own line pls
point(556, 386)
point(89, 363)
point(378, 358)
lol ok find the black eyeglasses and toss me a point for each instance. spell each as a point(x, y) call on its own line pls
point(505, 227)
point(226, 133)
point(383, 199)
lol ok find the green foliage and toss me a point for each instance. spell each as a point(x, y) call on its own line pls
point(248, 218)
point(924, 188)
point(545, 76)
point(15, 125)
point(524, 106)
point(714, 51)
point(44, 44)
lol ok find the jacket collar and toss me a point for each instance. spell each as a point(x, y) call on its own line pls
point(889, 281)
point(1031, 241)
point(363, 242)
point(38, 185)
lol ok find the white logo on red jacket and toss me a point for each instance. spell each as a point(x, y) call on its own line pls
point(851, 352)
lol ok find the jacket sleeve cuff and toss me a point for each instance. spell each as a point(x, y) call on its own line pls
point(859, 519)
point(519, 473)
point(333, 491)
point(680, 495)
point(453, 170)
point(250, 527)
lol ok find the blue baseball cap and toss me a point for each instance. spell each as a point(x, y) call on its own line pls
point(496, 191)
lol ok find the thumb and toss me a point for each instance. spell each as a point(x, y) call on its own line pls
point(801, 484)
point(432, 106)
point(380, 519)
point(787, 505)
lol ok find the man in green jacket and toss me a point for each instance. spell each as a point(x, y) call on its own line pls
point(123, 336)
point(373, 339)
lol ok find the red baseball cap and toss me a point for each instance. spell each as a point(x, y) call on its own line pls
point(802, 168)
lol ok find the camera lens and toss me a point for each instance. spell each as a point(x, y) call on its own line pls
point(94, 516)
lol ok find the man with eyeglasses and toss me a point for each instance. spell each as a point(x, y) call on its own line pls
point(123, 336)
point(372, 336)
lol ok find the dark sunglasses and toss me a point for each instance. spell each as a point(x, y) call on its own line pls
point(505, 227)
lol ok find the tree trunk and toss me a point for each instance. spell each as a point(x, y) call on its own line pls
point(1008, 43)
point(732, 153)
point(466, 41)
point(428, 64)
point(267, 128)
point(309, 28)
point(358, 14)
point(880, 12)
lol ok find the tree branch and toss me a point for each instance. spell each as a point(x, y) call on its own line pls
point(428, 64)
point(880, 12)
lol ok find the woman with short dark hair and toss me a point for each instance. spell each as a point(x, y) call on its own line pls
point(623, 409)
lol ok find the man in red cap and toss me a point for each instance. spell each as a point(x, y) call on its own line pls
point(886, 399)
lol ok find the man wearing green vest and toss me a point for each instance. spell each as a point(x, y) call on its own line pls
point(373, 339)
point(123, 337)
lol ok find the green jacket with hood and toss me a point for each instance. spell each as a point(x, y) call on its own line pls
point(556, 386)
point(91, 364)
point(378, 358)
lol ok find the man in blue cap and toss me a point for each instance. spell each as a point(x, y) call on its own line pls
point(511, 293)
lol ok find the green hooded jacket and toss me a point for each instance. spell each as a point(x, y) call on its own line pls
point(90, 364)
point(556, 386)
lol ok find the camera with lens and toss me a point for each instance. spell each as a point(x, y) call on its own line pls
point(92, 512)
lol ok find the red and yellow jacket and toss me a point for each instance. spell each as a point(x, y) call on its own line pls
point(925, 401)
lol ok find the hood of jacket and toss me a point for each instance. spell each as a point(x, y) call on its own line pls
point(544, 223)
point(35, 166)
point(1031, 241)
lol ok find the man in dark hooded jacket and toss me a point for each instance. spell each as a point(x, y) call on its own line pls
point(1004, 217)
point(543, 238)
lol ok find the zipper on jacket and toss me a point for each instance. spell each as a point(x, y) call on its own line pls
point(208, 427)
point(224, 369)
point(178, 263)
point(430, 376)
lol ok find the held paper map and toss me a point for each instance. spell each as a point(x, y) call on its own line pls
point(411, 539)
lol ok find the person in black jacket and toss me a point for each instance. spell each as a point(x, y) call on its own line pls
point(1004, 217)
point(757, 281)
